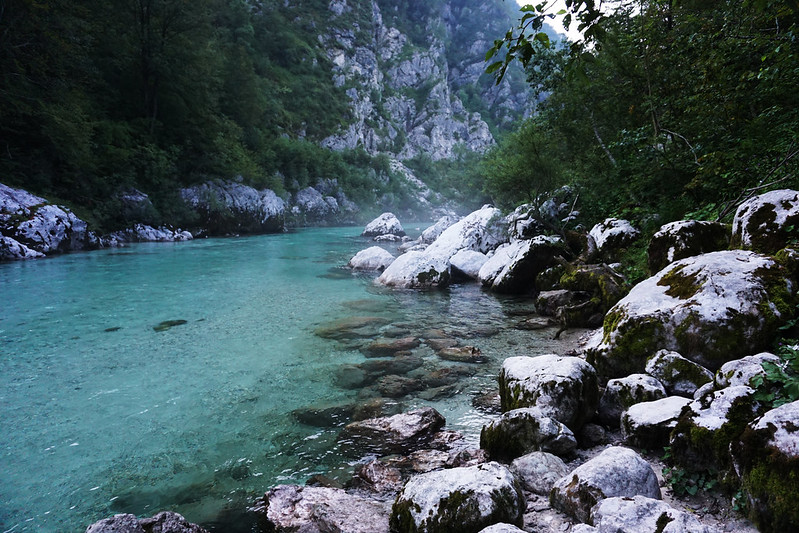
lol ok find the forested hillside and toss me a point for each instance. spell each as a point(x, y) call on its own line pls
point(101, 98)
point(665, 110)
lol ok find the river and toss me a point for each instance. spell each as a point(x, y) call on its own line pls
point(106, 408)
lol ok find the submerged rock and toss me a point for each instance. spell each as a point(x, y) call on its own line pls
point(373, 258)
point(388, 347)
point(394, 434)
point(167, 324)
point(711, 309)
point(465, 499)
point(317, 509)
point(617, 471)
point(462, 354)
point(351, 328)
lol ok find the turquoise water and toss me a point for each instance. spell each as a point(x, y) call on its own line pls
point(101, 414)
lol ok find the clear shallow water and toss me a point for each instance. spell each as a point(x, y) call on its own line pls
point(100, 413)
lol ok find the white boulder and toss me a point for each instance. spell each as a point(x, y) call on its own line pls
point(649, 424)
point(639, 513)
point(468, 263)
point(385, 224)
point(372, 258)
point(766, 223)
point(679, 375)
point(622, 393)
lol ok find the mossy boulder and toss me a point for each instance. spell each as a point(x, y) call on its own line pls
point(564, 388)
point(622, 393)
point(616, 472)
point(767, 459)
point(399, 433)
point(649, 424)
point(686, 238)
point(680, 376)
point(712, 309)
point(464, 499)
point(611, 237)
point(514, 266)
point(768, 222)
point(526, 430)
point(742, 371)
point(702, 436)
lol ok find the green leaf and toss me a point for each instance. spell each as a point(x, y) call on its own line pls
point(543, 38)
point(493, 67)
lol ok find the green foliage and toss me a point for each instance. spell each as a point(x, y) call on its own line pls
point(687, 482)
point(780, 382)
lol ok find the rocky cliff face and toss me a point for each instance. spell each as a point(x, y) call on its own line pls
point(414, 75)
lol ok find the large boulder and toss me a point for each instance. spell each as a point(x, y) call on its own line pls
point(385, 224)
point(465, 499)
point(686, 238)
point(526, 430)
point(766, 223)
point(616, 472)
point(372, 258)
point(514, 266)
point(642, 514)
point(467, 263)
point(564, 388)
point(679, 375)
point(712, 308)
point(648, 424)
point(12, 250)
point(226, 207)
point(612, 236)
point(164, 522)
point(600, 288)
point(622, 393)
point(742, 371)
point(393, 434)
point(317, 509)
point(538, 471)
point(767, 460)
point(416, 270)
point(432, 233)
point(481, 231)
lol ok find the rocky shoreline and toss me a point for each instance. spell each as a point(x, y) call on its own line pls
point(681, 362)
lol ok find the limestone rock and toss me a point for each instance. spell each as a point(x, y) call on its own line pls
point(514, 266)
point(526, 430)
point(120, 523)
point(416, 270)
point(538, 471)
point(564, 388)
point(465, 499)
point(767, 460)
point(394, 434)
point(480, 231)
point(12, 250)
point(164, 522)
point(377, 477)
point(622, 393)
point(639, 513)
point(766, 223)
point(502, 528)
point(432, 233)
point(617, 471)
point(228, 207)
point(603, 286)
point(467, 263)
point(611, 236)
point(144, 233)
point(385, 224)
point(553, 212)
point(679, 375)
point(741, 371)
point(389, 347)
point(686, 238)
point(296, 508)
point(712, 308)
point(648, 424)
point(547, 303)
point(372, 258)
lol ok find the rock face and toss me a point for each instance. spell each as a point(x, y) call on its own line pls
point(564, 388)
point(165, 522)
point(767, 460)
point(144, 233)
point(711, 309)
point(296, 508)
point(767, 222)
point(465, 499)
point(525, 430)
point(616, 472)
point(686, 238)
point(385, 224)
point(393, 434)
point(311, 207)
point(31, 228)
point(373, 258)
point(226, 207)
point(612, 235)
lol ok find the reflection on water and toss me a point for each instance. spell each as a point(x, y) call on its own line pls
point(194, 376)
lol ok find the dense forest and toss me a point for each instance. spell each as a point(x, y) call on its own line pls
point(666, 109)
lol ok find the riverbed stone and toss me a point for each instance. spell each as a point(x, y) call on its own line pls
point(711, 309)
point(622, 393)
point(400, 433)
point(377, 477)
point(538, 471)
point(462, 354)
point(742, 371)
point(163, 522)
point(465, 499)
point(686, 238)
point(648, 424)
point(766, 223)
point(416, 270)
point(348, 328)
point(502, 528)
point(642, 514)
point(316, 509)
point(766, 457)
point(617, 471)
point(467, 263)
point(680, 376)
point(525, 430)
point(373, 258)
point(611, 236)
point(565, 388)
point(385, 347)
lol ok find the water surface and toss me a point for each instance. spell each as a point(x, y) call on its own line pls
point(100, 413)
